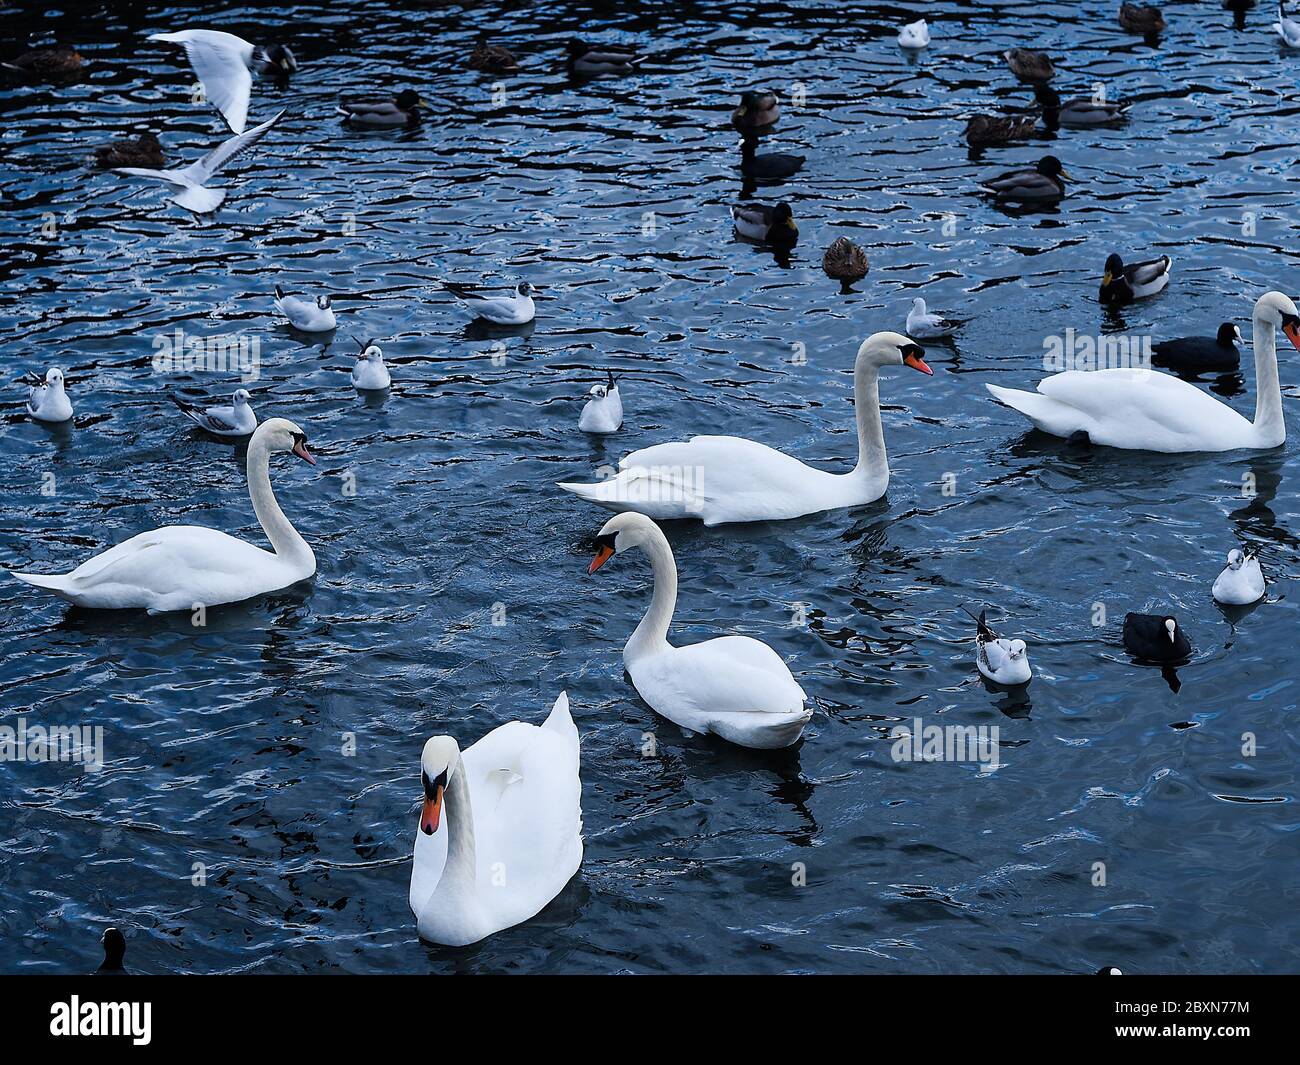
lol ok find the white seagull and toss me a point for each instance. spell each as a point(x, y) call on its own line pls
point(236, 420)
point(46, 399)
point(308, 315)
point(224, 63)
point(914, 35)
point(998, 659)
point(370, 374)
point(921, 323)
point(501, 310)
point(192, 181)
point(603, 412)
point(1287, 28)
point(1241, 582)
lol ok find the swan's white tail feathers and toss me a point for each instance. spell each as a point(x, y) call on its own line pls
point(560, 720)
point(51, 582)
point(585, 491)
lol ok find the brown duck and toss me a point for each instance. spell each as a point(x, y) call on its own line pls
point(143, 150)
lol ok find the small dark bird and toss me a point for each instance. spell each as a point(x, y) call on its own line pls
point(1216, 354)
point(1029, 66)
point(114, 950)
point(770, 166)
point(277, 61)
point(492, 59)
point(143, 150)
point(771, 225)
point(1145, 19)
point(587, 58)
point(845, 262)
point(1156, 638)
point(1121, 285)
point(985, 130)
point(757, 110)
point(41, 63)
point(1035, 184)
point(383, 112)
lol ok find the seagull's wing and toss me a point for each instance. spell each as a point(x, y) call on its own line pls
point(221, 62)
point(33, 379)
point(200, 172)
point(171, 177)
point(218, 419)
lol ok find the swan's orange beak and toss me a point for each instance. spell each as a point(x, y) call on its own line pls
point(432, 811)
point(603, 555)
point(917, 363)
point(300, 449)
point(1292, 332)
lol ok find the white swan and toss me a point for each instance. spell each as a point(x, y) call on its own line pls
point(179, 567)
point(733, 686)
point(728, 478)
point(511, 837)
point(1146, 410)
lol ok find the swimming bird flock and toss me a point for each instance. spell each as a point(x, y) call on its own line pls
point(514, 796)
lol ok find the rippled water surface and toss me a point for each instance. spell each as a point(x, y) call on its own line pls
point(224, 744)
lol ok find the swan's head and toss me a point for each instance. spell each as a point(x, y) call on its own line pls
point(1171, 629)
point(621, 532)
point(1228, 335)
point(241, 396)
point(280, 434)
point(1016, 649)
point(53, 376)
point(323, 302)
point(892, 349)
point(439, 761)
point(1277, 310)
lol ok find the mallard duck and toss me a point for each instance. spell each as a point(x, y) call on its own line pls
point(771, 225)
point(845, 261)
point(586, 58)
point(1031, 184)
point(1029, 66)
point(54, 62)
point(982, 130)
point(756, 110)
point(143, 150)
point(1216, 354)
point(1122, 284)
point(1079, 112)
point(1141, 18)
point(492, 59)
point(377, 112)
point(771, 166)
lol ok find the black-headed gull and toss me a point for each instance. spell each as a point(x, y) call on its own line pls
point(921, 323)
point(603, 411)
point(192, 181)
point(1287, 28)
point(224, 63)
point(502, 310)
point(370, 374)
point(914, 35)
point(1241, 582)
point(46, 399)
point(237, 419)
point(310, 315)
point(998, 659)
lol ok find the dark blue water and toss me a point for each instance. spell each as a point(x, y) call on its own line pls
point(224, 745)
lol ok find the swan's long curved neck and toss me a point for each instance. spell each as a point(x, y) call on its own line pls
point(872, 460)
point(284, 538)
point(460, 871)
point(1269, 423)
point(652, 633)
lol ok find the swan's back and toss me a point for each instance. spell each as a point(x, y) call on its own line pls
point(526, 795)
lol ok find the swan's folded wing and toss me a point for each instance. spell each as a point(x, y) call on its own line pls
point(221, 62)
point(730, 674)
